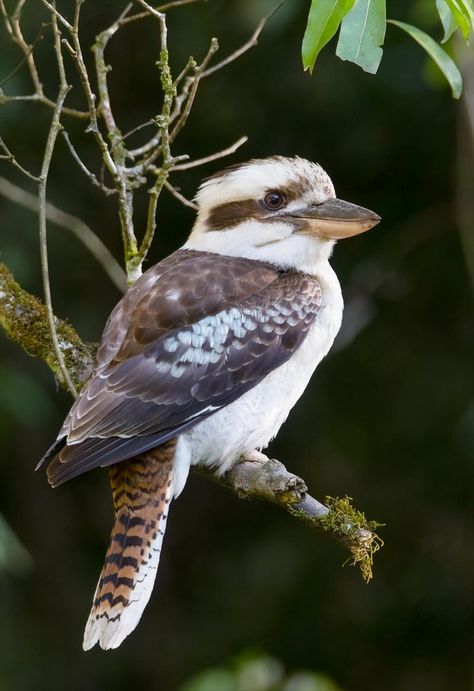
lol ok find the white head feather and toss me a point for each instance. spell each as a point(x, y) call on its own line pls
point(273, 242)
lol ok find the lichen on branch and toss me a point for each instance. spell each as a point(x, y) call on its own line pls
point(24, 319)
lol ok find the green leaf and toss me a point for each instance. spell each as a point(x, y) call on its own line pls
point(463, 12)
point(323, 22)
point(448, 20)
point(362, 34)
point(441, 58)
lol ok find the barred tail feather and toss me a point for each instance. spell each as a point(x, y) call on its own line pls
point(142, 490)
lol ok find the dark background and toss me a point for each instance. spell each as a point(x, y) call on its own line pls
point(388, 418)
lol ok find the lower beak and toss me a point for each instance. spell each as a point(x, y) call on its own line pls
point(335, 219)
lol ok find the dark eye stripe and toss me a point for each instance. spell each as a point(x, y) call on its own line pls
point(228, 215)
point(231, 214)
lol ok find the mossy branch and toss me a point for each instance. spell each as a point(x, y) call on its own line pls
point(24, 319)
point(258, 477)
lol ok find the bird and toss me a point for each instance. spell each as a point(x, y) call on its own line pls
point(203, 358)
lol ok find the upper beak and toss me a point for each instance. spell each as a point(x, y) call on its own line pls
point(335, 219)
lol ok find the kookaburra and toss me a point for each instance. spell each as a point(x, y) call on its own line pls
point(203, 358)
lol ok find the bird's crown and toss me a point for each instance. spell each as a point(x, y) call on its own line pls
point(295, 178)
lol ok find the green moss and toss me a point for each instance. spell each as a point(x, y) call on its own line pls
point(355, 531)
point(24, 319)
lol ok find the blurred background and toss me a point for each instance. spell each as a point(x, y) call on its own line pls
point(388, 418)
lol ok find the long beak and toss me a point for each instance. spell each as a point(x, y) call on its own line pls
point(335, 219)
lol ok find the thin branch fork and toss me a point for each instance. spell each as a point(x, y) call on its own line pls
point(117, 150)
point(162, 122)
point(174, 114)
point(13, 27)
point(201, 72)
point(251, 43)
point(24, 319)
point(212, 157)
point(8, 156)
point(180, 197)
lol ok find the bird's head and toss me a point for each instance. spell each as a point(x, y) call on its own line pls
point(282, 210)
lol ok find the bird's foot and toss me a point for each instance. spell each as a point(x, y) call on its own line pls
point(254, 457)
point(256, 474)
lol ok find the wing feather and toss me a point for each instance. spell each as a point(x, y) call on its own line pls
point(194, 333)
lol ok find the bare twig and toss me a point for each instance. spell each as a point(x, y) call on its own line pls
point(13, 26)
point(75, 50)
point(117, 147)
point(8, 156)
point(162, 121)
point(160, 8)
point(199, 71)
point(82, 231)
point(35, 98)
point(52, 136)
point(182, 104)
point(175, 3)
point(57, 15)
point(212, 157)
point(251, 43)
point(107, 190)
point(102, 69)
point(181, 198)
point(175, 111)
point(148, 123)
point(188, 90)
point(153, 143)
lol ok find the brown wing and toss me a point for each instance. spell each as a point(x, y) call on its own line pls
point(193, 334)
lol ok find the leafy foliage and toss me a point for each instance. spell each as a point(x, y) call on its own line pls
point(363, 25)
point(441, 58)
point(323, 22)
point(362, 35)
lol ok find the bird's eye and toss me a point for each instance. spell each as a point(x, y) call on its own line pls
point(274, 200)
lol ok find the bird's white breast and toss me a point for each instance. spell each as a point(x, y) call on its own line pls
point(255, 418)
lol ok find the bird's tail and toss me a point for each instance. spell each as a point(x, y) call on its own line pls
point(142, 490)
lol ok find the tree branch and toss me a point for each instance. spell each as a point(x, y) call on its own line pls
point(8, 156)
point(106, 190)
point(212, 157)
point(80, 229)
point(13, 27)
point(24, 319)
point(251, 43)
point(258, 477)
point(180, 197)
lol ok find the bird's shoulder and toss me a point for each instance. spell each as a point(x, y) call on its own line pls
point(189, 286)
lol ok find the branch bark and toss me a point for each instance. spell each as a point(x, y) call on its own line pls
point(25, 320)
